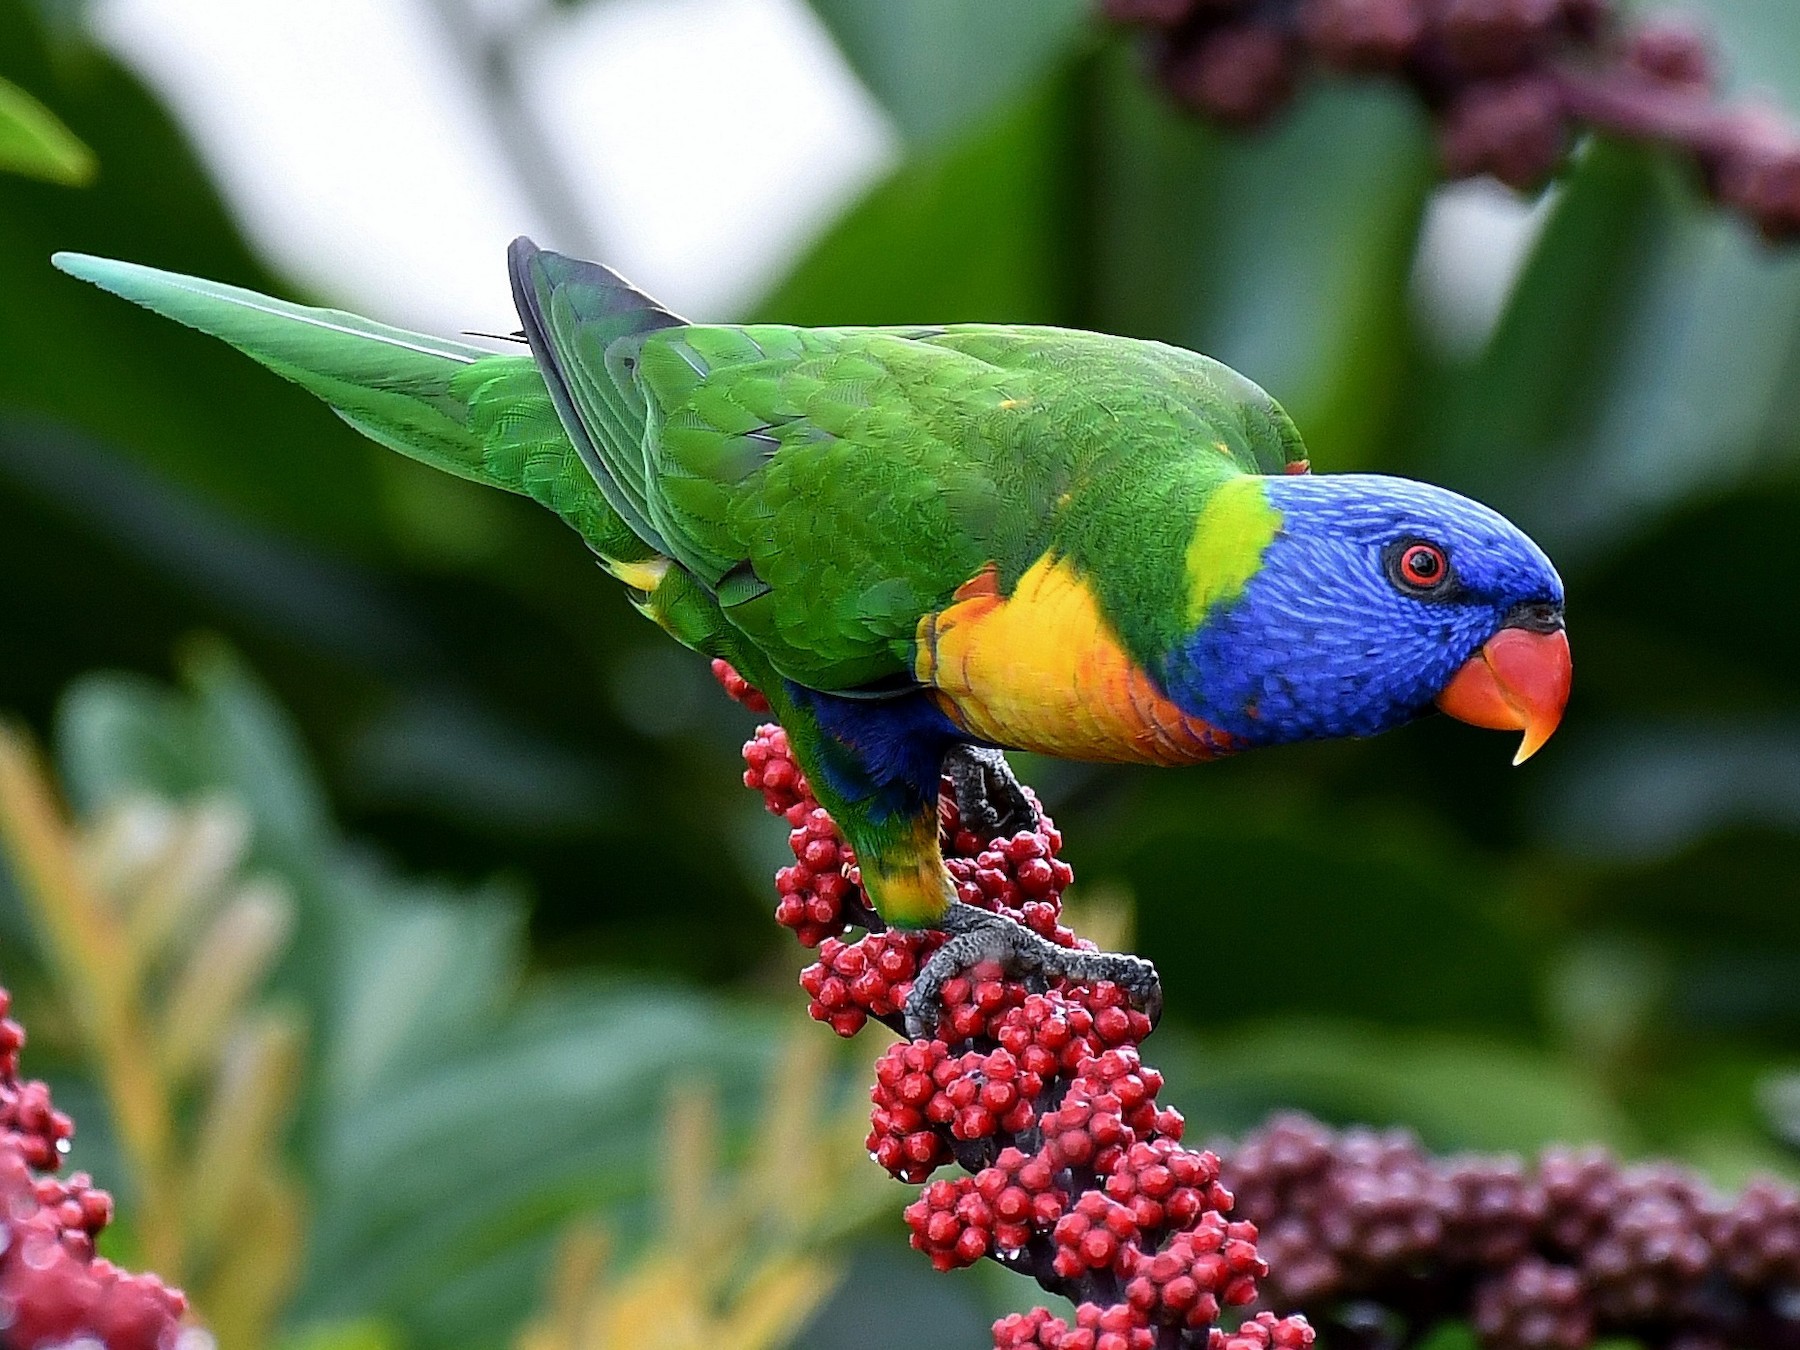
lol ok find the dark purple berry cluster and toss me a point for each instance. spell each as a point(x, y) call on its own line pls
point(1573, 1248)
point(1071, 1171)
point(1509, 83)
point(54, 1291)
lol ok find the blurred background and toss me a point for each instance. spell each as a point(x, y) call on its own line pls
point(433, 918)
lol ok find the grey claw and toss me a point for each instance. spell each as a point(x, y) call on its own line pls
point(993, 802)
point(978, 935)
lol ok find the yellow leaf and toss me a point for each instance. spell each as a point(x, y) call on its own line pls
point(778, 1303)
point(168, 868)
point(690, 1157)
point(257, 1272)
point(224, 971)
point(241, 1133)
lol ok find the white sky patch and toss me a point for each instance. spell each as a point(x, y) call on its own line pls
point(714, 137)
point(342, 135)
point(1476, 239)
point(709, 140)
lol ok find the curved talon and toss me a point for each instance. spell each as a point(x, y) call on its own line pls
point(976, 935)
point(993, 802)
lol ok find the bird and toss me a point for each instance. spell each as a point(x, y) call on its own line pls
point(928, 545)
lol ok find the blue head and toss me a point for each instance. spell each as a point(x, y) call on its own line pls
point(1377, 597)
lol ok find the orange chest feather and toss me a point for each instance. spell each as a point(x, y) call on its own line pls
point(1042, 670)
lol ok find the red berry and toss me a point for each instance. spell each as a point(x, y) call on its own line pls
point(1516, 130)
point(901, 1136)
point(1026, 1199)
point(53, 1291)
point(975, 1002)
point(1115, 1327)
point(772, 770)
point(738, 688)
point(1496, 37)
point(1237, 73)
point(1363, 35)
point(951, 1223)
point(1096, 1234)
point(1165, 1185)
point(1759, 173)
point(1035, 1330)
point(1265, 1331)
point(1086, 1131)
point(1533, 1306)
point(1674, 52)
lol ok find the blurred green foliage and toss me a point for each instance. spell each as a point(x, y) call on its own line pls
point(34, 143)
point(450, 1123)
point(1605, 943)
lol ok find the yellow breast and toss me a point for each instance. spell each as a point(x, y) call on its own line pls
point(1042, 670)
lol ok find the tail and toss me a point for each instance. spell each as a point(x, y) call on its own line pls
point(482, 416)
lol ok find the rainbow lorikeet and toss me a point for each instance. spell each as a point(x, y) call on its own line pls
point(929, 544)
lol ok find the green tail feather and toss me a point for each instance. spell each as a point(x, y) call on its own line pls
point(456, 407)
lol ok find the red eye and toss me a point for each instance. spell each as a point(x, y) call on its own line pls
point(1424, 566)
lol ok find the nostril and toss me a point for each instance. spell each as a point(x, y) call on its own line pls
point(1535, 616)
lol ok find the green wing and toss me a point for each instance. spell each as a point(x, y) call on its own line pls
point(460, 408)
point(833, 486)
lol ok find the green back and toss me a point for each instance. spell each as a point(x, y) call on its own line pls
point(832, 486)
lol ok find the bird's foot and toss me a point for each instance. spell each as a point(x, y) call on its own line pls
point(993, 803)
point(978, 935)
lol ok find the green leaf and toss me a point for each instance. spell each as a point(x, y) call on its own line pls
point(358, 1335)
point(1451, 1336)
point(264, 450)
point(1494, 425)
point(981, 230)
point(452, 1124)
point(440, 1194)
point(121, 735)
point(33, 142)
point(1284, 255)
point(1458, 1092)
point(940, 65)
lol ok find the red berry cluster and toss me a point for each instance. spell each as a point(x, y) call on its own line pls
point(31, 1129)
point(1509, 82)
point(821, 894)
point(1552, 1256)
point(53, 1290)
point(1074, 1174)
point(1071, 1170)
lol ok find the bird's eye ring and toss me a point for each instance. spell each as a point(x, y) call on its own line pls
point(1420, 567)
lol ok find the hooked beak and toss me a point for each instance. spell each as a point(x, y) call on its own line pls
point(1518, 681)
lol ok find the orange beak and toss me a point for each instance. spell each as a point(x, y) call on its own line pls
point(1519, 681)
